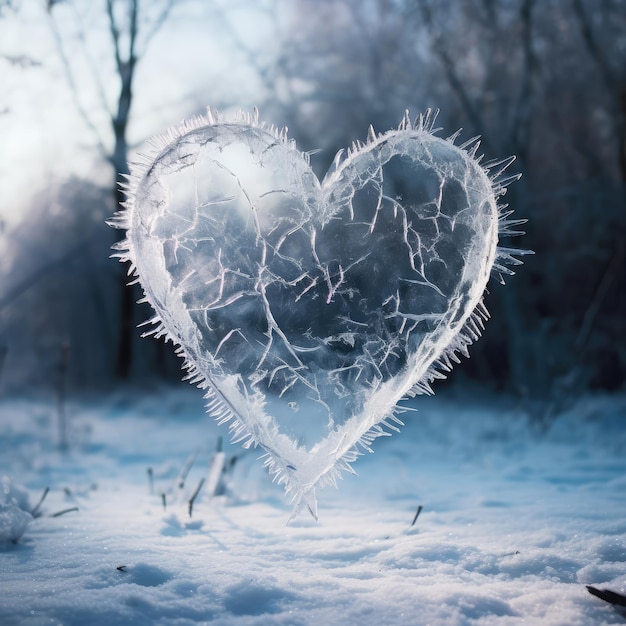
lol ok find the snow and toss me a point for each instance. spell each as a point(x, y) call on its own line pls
point(516, 519)
point(13, 522)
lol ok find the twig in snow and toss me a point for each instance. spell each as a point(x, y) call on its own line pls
point(164, 500)
point(151, 480)
point(188, 465)
point(417, 514)
point(612, 597)
point(195, 495)
point(35, 511)
point(3, 356)
point(214, 476)
point(64, 511)
point(121, 568)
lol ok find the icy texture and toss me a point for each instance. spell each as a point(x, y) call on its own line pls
point(13, 494)
point(13, 522)
point(309, 310)
point(14, 515)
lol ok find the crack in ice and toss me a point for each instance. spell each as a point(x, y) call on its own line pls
point(307, 309)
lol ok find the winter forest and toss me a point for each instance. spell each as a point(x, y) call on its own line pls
point(539, 80)
point(518, 460)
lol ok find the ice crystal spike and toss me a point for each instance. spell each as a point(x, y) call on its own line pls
point(308, 310)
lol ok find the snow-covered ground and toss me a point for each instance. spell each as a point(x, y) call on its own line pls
point(515, 521)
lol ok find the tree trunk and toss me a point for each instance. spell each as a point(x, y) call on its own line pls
point(124, 359)
point(119, 161)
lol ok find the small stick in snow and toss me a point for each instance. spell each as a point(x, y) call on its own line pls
point(188, 465)
point(164, 500)
point(195, 495)
point(214, 476)
point(35, 511)
point(64, 511)
point(121, 568)
point(417, 514)
point(151, 480)
point(612, 597)
point(3, 356)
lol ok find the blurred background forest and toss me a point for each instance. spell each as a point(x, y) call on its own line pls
point(85, 82)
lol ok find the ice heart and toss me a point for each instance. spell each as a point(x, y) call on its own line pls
point(308, 310)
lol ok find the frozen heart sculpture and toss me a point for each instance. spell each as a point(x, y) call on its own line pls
point(308, 310)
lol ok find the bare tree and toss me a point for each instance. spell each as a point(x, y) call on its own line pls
point(130, 33)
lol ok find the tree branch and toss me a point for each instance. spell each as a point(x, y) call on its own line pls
point(595, 49)
point(115, 35)
point(134, 9)
point(95, 73)
point(521, 111)
point(451, 74)
point(69, 75)
point(160, 20)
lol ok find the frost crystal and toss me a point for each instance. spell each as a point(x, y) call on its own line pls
point(308, 310)
point(13, 522)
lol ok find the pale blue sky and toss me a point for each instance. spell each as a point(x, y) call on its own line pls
point(190, 63)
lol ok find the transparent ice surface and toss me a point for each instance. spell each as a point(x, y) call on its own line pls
point(310, 309)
